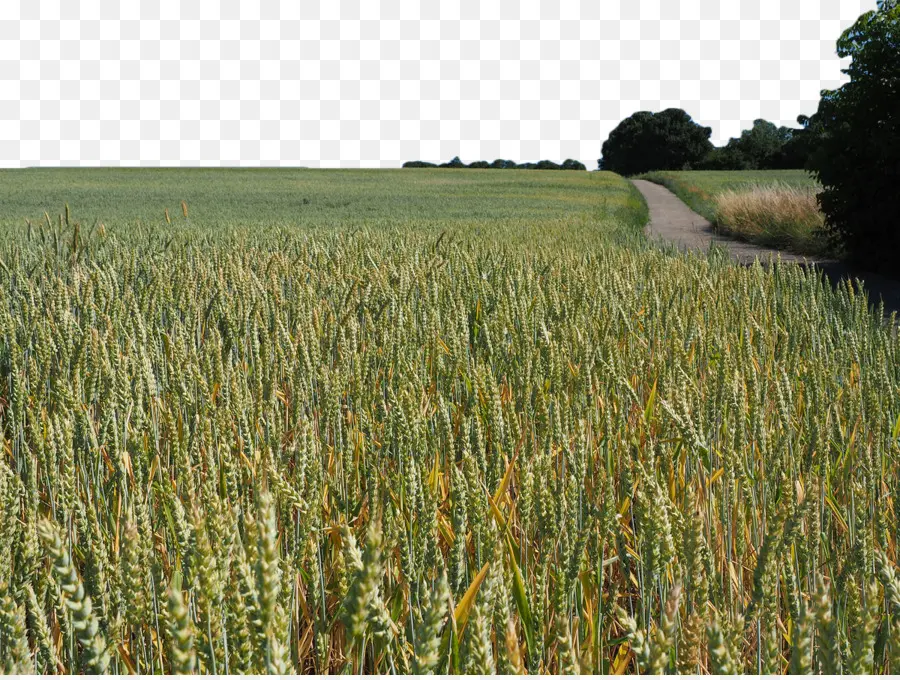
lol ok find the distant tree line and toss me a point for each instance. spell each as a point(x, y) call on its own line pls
point(500, 164)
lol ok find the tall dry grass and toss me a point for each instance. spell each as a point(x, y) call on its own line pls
point(778, 215)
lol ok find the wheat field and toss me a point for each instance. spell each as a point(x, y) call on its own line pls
point(521, 447)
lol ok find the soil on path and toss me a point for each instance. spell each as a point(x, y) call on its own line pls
point(671, 220)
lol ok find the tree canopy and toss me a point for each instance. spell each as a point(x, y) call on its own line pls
point(645, 141)
point(759, 147)
point(764, 146)
point(857, 157)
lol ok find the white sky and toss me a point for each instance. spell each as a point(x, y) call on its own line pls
point(375, 82)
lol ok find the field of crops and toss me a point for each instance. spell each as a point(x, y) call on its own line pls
point(698, 188)
point(774, 208)
point(136, 199)
point(452, 421)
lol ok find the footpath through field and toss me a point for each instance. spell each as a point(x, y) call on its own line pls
point(671, 220)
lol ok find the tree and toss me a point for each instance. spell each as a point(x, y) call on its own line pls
point(546, 165)
point(571, 164)
point(479, 164)
point(645, 141)
point(454, 163)
point(501, 164)
point(798, 150)
point(418, 164)
point(727, 157)
point(760, 146)
point(857, 159)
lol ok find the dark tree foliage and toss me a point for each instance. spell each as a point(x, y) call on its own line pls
point(454, 163)
point(571, 164)
point(668, 140)
point(762, 147)
point(797, 151)
point(723, 158)
point(500, 164)
point(857, 159)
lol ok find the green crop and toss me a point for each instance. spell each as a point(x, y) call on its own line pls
point(515, 444)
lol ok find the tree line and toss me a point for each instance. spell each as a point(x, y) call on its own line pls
point(500, 164)
point(671, 140)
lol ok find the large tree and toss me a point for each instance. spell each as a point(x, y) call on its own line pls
point(857, 159)
point(764, 146)
point(645, 141)
point(761, 145)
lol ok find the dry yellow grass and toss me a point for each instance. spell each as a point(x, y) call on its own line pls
point(776, 214)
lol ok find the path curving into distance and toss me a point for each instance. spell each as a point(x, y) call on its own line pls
point(671, 220)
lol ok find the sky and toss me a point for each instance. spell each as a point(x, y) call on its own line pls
point(373, 83)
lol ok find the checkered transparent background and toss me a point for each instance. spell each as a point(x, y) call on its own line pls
point(375, 82)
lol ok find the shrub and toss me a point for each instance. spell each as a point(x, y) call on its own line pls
point(668, 140)
point(858, 157)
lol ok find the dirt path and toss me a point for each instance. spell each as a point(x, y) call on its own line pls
point(671, 220)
